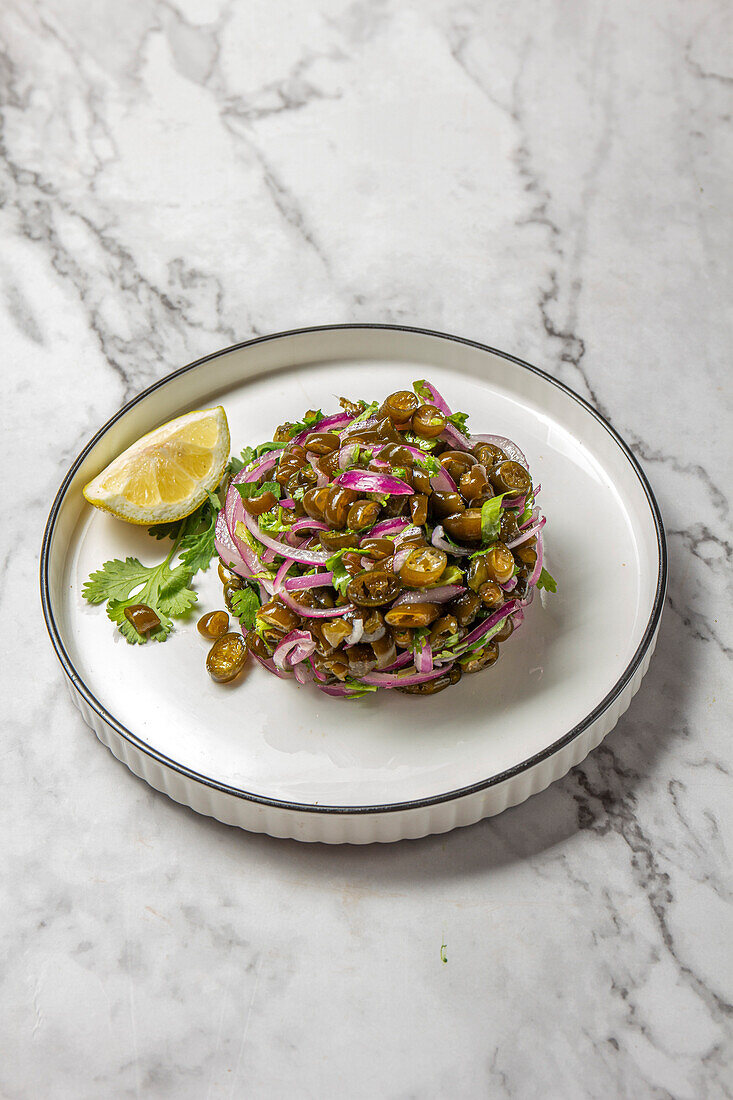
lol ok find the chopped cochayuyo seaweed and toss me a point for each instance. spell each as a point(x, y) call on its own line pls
point(380, 547)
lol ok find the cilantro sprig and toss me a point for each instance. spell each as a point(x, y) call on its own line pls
point(245, 603)
point(547, 581)
point(165, 587)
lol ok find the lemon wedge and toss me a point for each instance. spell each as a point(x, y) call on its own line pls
point(166, 474)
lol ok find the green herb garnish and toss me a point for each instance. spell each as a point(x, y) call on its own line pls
point(163, 588)
point(547, 581)
point(336, 565)
point(247, 489)
point(491, 518)
point(245, 605)
point(458, 420)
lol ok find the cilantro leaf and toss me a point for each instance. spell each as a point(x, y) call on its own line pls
point(491, 518)
point(423, 444)
point(547, 581)
point(128, 582)
point(368, 410)
point(272, 523)
point(197, 546)
point(243, 532)
point(423, 390)
point(247, 489)
point(452, 574)
point(429, 463)
point(245, 605)
point(459, 421)
point(528, 508)
point(249, 454)
point(313, 416)
point(336, 565)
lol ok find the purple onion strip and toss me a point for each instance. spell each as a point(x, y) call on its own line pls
point(430, 595)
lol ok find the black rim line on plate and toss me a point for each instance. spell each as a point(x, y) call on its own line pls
point(394, 807)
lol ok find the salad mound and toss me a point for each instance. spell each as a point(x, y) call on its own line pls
point(381, 547)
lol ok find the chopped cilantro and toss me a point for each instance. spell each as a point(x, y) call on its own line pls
point(528, 506)
point(272, 522)
point(423, 444)
point(336, 565)
point(423, 390)
point(547, 581)
point(312, 417)
point(430, 463)
point(458, 420)
point(452, 574)
point(367, 411)
point(245, 604)
point(247, 489)
point(251, 453)
point(491, 518)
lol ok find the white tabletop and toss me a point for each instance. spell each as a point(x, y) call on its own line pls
point(551, 179)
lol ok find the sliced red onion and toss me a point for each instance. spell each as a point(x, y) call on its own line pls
point(269, 556)
point(311, 557)
point(509, 585)
point(387, 527)
point(225, 546)
point(388, 680)
point(270, 665)
point(430, 595)
point(439, 540)
point(328, 424)
point(313, 580)
point(424, 657)
point(305, 522)
point(531, 521)
point(254, 567)
point(318, 673)
point(302, 652)
point(303, 673)
point(442, 482)
point(346, 454)
point(254, 473)
point(281, 573)
point(451, 435)
point(289, 647)
point(366, 481)
point(287, 502)
point(487, 624)
point(321, 478)
point(354, 429)
point(403, 659)
point(314, 612)
point(526, 534)
point(510, 449)
point(401, 557)
point(342, 690)
point(436, 398)
point(535, 574)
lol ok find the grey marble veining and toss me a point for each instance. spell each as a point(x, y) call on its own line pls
point(552, 179)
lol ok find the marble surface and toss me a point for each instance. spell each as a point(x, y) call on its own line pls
point(553, 179)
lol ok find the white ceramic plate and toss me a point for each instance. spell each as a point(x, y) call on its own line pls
point(275, 757)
